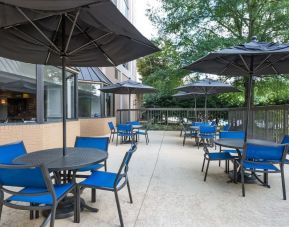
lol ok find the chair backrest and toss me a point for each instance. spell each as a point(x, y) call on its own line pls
point(111, 126)
point(207, 129)
point(123, 169)
point(226, 127)
point(285, 140)
point(133, 122)
point(232, 135)
point(264, 152)
point(213, 123)
point(124, 127)
point(9, 152)
point(200, 124)
point(92, 142)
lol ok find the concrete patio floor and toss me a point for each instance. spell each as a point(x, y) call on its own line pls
point(168, 190)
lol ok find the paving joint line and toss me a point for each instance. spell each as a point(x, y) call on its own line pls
point(150, 180)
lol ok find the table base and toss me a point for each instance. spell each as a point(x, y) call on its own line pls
point(248, 178)
point(65, 208)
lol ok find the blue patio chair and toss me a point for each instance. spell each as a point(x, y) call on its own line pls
point(32, 185)
point(9, 152)
point(200, 124)
point(144, 132)
point(263, 159)
point(134, 123)
point(207, 134)
point(216, 156)
point(100, 143)
point(285, 140)
point(110, 181)
point(230, 135)
point(213, 123)
point(189, 133)
point(112, 131)
point(226, 127)
point(125, 132)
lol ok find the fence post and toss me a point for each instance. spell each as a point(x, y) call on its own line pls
point(285, 120)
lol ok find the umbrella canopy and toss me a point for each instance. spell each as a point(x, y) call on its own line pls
point(207, 87)
point(69, 33)
point(249, 59)
point(128, 87)
point(88, 33)
point(89, 74)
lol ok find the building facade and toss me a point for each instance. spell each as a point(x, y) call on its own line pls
point(30, 99)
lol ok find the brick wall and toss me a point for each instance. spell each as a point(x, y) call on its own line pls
point(49, 135)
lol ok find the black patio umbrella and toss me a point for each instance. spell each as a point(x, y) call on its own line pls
point(188, 95)
point(207, 87)
point(249, 59)
point(63, 33)
point(128, 87)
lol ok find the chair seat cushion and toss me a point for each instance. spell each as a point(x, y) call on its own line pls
point(60, 190)
point(259, 166)
point(220, 156)
point(100, 179)
point(91, 167)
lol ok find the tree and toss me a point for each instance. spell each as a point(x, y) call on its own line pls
point(195, 27)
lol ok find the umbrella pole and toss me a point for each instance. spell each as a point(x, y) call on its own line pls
point(195, 99)
point(63, 89)
point(129, 97)
point(249, 101)
point(206, 114)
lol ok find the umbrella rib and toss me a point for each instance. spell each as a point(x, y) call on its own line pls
point(231, 63)
point(71, 31)
point(244, 62)
point(35, 39)
point(271, 64)
point(92, 41)
point(262, 62)
point(38, 29)
point(53, 39)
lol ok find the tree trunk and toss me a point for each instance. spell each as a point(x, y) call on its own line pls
point(246, 86)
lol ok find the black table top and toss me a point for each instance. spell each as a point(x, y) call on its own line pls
point(53, 159)
point(239, 143)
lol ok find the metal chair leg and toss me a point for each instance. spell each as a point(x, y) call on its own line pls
point(93, 195)
point(52, 218)
point(203, 165)
point(1, 202)
point(129, 191)
point(243, 181)
point(207, 170)
point(105, 166)
point(118, 208)
point(116, 140)
point(184, 141)
point(220, 152)
point(283, 182)
point(77, 205)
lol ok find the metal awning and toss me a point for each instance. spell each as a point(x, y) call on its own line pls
point(92, 74)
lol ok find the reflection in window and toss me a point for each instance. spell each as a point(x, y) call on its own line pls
point(17, 91)
point(53, 94)
point(89, 100)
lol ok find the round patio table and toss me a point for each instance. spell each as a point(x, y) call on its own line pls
point(54, 161)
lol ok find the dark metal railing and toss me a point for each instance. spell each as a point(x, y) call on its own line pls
point(267, 122)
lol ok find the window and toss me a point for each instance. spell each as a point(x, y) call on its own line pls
point(109, 105)
point(53, 94)
point(126, 65)
point(124, 7)
point(89, 100)
point(17, 91)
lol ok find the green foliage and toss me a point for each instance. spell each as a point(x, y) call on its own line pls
point(189, 29)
